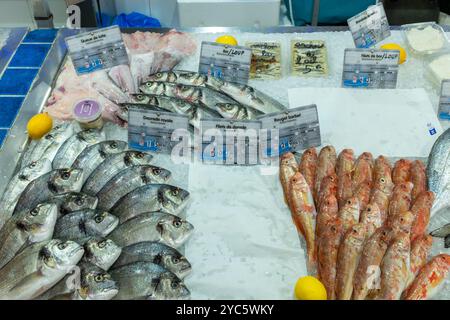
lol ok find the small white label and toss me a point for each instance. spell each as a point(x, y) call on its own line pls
point(97, 50)
point(229, 63)
point(370, 26)
point(299, 128)
point(444, 101)
point(364, 68)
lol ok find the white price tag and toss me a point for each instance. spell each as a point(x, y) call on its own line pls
point(444, 101)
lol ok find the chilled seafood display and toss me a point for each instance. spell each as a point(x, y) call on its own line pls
point(65, 219)
point(364, 222)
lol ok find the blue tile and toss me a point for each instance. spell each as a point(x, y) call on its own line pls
point(3, 134)
point(9, 107)
point(30, 55)
point(17, 81)
point(41, 35)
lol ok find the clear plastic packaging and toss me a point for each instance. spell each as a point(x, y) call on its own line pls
point(425, 38)
point(438, 68)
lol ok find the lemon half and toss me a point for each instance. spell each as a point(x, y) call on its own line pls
point(228, 40)
point(39, 125)
point(394, 46)
point(310, 288)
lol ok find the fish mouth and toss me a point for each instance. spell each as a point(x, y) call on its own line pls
point(111, 227)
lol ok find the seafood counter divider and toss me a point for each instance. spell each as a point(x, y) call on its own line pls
point(245, 245)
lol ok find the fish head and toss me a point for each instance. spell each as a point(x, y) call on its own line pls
point(352, 204)
point(172, 198)
point(366, 156)
point(66, 180)
point(402, 221)
point(404, 187)
point(35, 169)
point(310, 154)
point(97, 285)
point(140, 98)
point(385, 235)
point(228, 110)
point(102, 252)
point(372, 214)
point(92, 136)
point(193, 78)
point(215, 83)
point(102, 223)
point(384, 183)
point(401, 242)
point(153, 173)
point(174, 230)
point(153, 87)
point(329, 204)
point(61, 255)
point(75, 201)
point(60, 132)
point(39, 222)
point(112, 147)
point(163, 77)
point(170, 287)
point(177, 263)
point(288, 160)
point(135, 158)
point(189, 93)
point(356, 235)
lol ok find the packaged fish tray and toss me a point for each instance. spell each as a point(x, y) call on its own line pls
point(424, 38)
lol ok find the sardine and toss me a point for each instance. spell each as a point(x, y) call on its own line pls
point(94, 155)
point(101, 252)
point(402, 171)
point(128, 180)
point(438, 169)
point(48, 145)
point(37, 268)
point(157, 253)
point(304, 215)
point(327, 253)
point(76, 144)
point(421, 211)
point(418, 178)
point(367, 275)
point(430, 279)
point(18, 184)
point(85, 282)
point(151, 197)
point(80, 226)
point(112, 166)
point(326, 166)
point(348, 259)
point(395, 268)
point(54, 183)
point(153, 226)
point(26, 228)
point(146, 280)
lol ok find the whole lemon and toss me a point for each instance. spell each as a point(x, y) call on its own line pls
point(310, 288)
point(228, 40)
point(394, 46)
point(39, 125)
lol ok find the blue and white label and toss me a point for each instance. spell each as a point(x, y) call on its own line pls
point(444, 101)
point(370, 26)
point(372, 69)
point(97, 50)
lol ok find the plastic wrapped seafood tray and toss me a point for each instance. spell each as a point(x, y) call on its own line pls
point(245, 245)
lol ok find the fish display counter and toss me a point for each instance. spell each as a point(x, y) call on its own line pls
point(85, 189)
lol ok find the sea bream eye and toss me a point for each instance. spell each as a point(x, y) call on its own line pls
point(175, 192)
point(175, 260)
point(34, 212)
point(98, 278)
point(99, 218)
point(79, 201)
point(102, 244)
point(156, 171)
point(62, 246)
point(65, 175)
point(177, 223)
point(32, 165)
point(174, 285)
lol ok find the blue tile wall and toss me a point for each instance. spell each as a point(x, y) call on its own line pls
point(9, 107)
point(3, 134)
point(20, 74)
point(30, 55)
point(41, 36)
point(17, 81)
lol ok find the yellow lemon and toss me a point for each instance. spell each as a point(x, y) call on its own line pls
point(310, 288)
point(227, 39)
point(39, 125)
point(394, 46)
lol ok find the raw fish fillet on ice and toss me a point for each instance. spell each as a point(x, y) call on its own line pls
point(71, 88)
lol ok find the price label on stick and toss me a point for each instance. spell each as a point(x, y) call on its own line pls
point(365, 68)
point(150, 130)
point(444, 101)
point(299, 128)
point(97, 50)
point(370, 26)
point(229, 63)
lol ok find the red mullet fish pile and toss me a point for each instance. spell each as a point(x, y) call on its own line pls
point(364, 223)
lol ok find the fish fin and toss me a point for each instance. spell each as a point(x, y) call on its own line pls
point(447, 241)
point(441, 232)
